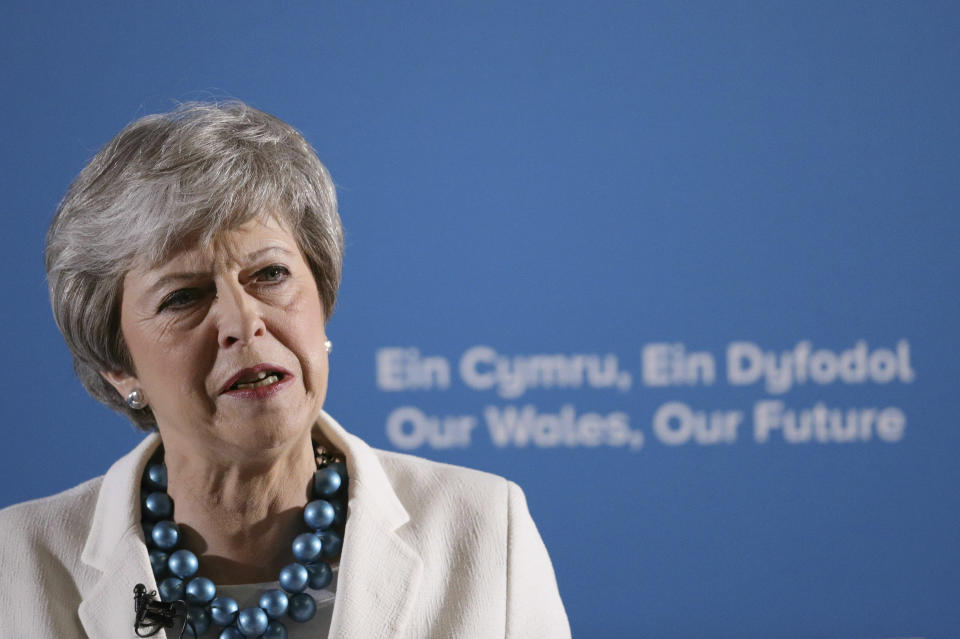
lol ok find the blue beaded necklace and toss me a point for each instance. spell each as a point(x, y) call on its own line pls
point(176, 569)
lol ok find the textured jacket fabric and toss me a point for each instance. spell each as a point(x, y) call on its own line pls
point(430, 550)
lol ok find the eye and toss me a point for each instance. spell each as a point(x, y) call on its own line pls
point(273, 273)
point(180, 298)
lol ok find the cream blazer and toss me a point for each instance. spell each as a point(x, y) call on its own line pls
point(430, 550)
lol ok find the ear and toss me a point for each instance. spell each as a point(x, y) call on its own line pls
point(123, 382)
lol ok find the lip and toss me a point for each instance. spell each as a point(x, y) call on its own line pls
point(262, 391)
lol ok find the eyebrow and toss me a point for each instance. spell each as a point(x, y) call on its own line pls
point(192, 275)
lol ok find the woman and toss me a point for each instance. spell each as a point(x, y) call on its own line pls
point(192, 266)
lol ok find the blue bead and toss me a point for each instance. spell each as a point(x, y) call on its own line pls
point(158, 561)
point(223, 610)
point(294, 577)
point(171, 589)
point(183, 563)
point(319, 514)
point(200, 591)
point(156, 477)
point(274, 603)
point(252, 622)
point(341, 468)
point(230, 633)
point(326, 482)
point(200, 619)
point(275, 630)
point(307, 546)
point(158, 505)
point(320, 575)
point(302, 607)
point(165, 534)
point(332, 543)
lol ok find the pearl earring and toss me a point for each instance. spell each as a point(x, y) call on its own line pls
point(328, 345)
point(135, 399)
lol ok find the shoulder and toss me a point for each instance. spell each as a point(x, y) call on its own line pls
point(480, 547)
point(447, 503)
point(429, 482)
point(410, 468)
point(455, 499)
point(47, 528)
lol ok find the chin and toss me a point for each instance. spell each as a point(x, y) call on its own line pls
point(268, 430)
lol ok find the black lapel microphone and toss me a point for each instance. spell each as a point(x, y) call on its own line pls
point(152, 615)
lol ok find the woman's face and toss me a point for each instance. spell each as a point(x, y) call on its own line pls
point(227, 341)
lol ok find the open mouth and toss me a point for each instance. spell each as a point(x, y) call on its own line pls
point(258, 379)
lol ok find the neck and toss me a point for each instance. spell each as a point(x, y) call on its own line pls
point(237, 512)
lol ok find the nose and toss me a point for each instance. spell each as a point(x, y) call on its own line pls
point(239, 318)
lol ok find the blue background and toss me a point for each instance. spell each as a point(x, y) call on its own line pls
point(577, 178)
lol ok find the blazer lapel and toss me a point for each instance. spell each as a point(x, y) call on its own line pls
point(380, 573)
point(115, 547)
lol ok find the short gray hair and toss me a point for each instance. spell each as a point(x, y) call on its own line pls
point(162, 183)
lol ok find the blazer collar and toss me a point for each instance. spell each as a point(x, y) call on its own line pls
point(379, 573)
point(116, 547)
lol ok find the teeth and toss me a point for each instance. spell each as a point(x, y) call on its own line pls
point(264, 379)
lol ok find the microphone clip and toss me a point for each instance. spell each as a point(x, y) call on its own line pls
point(153, 615)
